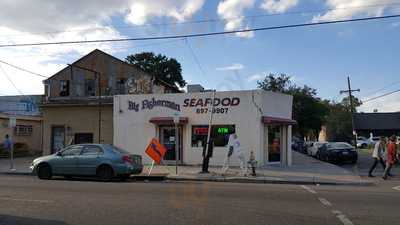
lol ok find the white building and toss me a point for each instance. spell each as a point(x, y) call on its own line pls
point(262, 120)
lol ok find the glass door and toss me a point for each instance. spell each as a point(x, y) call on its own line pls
point(274, 143)
point(168, 139)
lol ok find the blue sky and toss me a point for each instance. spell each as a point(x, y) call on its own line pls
point(321, 57)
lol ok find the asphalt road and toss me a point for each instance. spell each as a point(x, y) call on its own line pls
point(25, 200)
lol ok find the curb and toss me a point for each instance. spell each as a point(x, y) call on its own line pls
point(271, 181)
point(18, 173)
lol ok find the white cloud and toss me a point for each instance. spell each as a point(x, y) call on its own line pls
point(141, 10)
point(255, 77)
point(62, 20)
point(278, 6)
point(390, 103)
point(347, 9)
point(232, 12)
point(235, 66)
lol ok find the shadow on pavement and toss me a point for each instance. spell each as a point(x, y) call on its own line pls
point(16, 220)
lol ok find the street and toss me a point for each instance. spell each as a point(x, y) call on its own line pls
point(26, 200)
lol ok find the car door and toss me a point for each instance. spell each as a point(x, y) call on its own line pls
point(65, 161)
point(89, 159)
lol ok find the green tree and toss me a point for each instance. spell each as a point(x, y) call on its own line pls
point(338, 122)
point(164, 68)
point(308, 110)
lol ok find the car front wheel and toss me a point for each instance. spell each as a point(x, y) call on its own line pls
point(44, 172)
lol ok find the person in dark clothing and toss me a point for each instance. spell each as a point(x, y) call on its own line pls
point(207, 155)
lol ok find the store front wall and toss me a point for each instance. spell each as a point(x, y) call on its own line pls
point(136, 123)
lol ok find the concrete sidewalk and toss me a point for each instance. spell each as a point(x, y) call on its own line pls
point(305, 170)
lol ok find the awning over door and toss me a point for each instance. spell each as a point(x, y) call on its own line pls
point(278, 121)
point(168, 120)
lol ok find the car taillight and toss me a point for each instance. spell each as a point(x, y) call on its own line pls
point(127, 159)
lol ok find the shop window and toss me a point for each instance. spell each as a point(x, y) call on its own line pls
point(219, 133)
point(90, 89)
point(23, 130)
point(64, 87)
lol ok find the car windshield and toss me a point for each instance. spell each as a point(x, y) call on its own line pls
point(339, 145)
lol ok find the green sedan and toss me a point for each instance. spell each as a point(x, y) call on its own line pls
point(101, 160)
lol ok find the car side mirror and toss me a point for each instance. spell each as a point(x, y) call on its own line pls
point(58, 154)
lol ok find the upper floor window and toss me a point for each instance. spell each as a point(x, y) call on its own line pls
point(90, 87)
point(121, 84)
point(23, 130)
point(64, 87)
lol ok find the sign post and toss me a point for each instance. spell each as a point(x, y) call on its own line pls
point(176, 122)
point(12, 124)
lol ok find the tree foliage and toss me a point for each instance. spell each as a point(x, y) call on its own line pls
point(164, 68)
point(310, 111)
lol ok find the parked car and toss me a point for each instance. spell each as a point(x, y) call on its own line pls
point(314, 147)
point(299, 145)
point(101, 160)
point(338, 152)
point(362, 142)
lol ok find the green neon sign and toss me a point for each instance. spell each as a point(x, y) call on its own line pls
point(223, 130)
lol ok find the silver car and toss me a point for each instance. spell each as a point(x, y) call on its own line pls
point(100, 160)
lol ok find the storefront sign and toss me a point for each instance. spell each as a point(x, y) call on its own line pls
point(150, 104)
point(221, 106)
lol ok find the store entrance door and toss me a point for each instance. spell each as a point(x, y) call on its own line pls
point(274, 143)
point(167, 138)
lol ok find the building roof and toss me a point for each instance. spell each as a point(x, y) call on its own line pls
point(377, 121)
point(115, 58)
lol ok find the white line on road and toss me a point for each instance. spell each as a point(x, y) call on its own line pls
point(325, 202)
point(308, 189)
point(397, 188)
point(342, 217)
point(25, 200)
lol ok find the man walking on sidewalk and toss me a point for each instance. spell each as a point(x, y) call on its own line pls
point(390, 156)
point(378, 155)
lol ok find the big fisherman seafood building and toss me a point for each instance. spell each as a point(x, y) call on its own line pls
point(262, 120)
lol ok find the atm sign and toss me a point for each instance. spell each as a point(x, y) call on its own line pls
point(223, 130)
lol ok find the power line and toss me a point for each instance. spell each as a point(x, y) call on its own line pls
point(381, 96)
point(9, 79)
point(202, 34)
point(195, 57)
point(22, 69)
point(383, 88)
point(213, 20)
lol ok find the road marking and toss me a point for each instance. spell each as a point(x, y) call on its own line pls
point(342, 217)
point(308, 189)
point(25, 200)
point(397, 188)
point(325, 202)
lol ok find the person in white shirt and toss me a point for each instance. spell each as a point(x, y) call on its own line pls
point(378, 155)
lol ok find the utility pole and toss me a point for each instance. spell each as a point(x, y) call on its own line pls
point(97, 76)
point(349, 91)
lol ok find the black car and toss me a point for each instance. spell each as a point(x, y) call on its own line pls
point(299, 145)
point(338, 152)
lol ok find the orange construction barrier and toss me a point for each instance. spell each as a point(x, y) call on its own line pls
point(156, 150)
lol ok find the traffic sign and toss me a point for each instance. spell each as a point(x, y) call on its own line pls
point(156, 150)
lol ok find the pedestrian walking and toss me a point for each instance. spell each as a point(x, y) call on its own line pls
point(378, 155)
point(390, 156)
point(229, 154)
point(8, 143)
